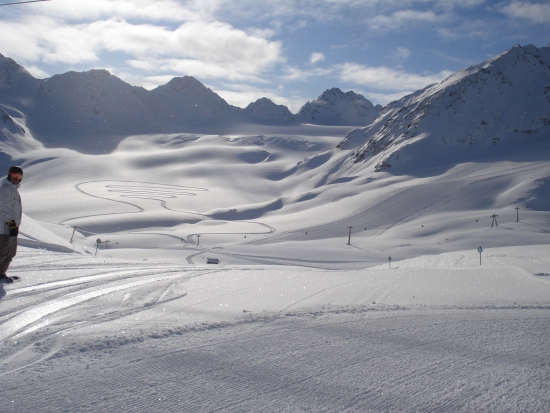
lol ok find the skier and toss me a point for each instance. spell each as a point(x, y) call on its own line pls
point(10, 214)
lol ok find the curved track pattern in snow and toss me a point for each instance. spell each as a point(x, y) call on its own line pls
point(120, 191)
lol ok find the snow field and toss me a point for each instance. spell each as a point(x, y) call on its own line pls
point(435, 333)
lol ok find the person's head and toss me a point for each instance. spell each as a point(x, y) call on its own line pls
point(15, 174)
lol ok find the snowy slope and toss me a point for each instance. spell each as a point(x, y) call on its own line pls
point(335, 107)
point(499, 109)
point(15, 137)
point(432, 334)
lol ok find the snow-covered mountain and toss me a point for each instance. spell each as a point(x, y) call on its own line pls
point(15, 80)
point(335, 107)
point(86, 104)
point(185, 101)
point(265, 111)
point(498, 109)
point(94, 110)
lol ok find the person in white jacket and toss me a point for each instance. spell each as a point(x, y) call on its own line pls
point(11, 211)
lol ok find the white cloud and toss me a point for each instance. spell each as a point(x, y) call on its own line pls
point(485, 30)
point(43, 39)
point(455, 4)
point(534, 12)
point(197, 68)
point(147, 82)
point(403, 19)
point(218, 49)
point(316, 57)
point(385, 98)
point(302, 12)
point(295, 74)
point(149, 10)
point(264, 33)
point(387, 13)
point(401, 53)
point(387, 79)
point(210, 42)
point(37, 72)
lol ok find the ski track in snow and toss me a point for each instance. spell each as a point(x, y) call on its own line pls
point(125, 334)
point(22, 320)
point(151, 191)
point(398, 360)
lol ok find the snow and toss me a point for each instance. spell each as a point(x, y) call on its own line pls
point(293, 317)
point(334, 107)
point(265, 111)
point(432, 333)
point(477, 113)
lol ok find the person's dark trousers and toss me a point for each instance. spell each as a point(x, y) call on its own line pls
point(8, 249)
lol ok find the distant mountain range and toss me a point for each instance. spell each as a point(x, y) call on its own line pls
point(499, 109)
point(96, 103)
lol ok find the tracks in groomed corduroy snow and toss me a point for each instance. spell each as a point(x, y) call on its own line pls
point(336, 360)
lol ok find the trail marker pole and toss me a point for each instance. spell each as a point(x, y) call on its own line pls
point(349, 236)
point(517, 214)
point(480, 250)
point(72, 237)
point(198, 239)
point(494, 220)
point(389, 262)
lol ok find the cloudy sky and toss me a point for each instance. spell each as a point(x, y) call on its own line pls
point(287, 50)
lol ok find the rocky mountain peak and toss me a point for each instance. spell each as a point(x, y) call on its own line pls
point(12, 74)
point(265, 110)
point(335, 107)
point(184, 84)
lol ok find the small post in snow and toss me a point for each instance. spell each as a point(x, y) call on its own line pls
point(389, 262)
point(494, 220)
point(480, 250)
point(517, 214)
point(198, 239)
point(72, 237)
point(349, 236)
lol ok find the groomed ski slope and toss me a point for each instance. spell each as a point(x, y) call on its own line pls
point(433, 333)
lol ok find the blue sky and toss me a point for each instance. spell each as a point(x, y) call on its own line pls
point(287, 50)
